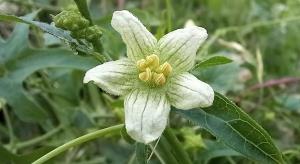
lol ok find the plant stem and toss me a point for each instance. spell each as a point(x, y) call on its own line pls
point(77, 141)
point(180, 154)
point(9, 127)
point(162, 151)
point(83, 9)
point(38, 139)
point(169, 14)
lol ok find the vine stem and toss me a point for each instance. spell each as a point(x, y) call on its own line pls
point(9, 127)
point(39, 139)
point(83, 9)
point(77, 141)
point(179, 152)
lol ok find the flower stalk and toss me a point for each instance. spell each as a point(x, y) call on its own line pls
point(181, 155)
point(113, 130)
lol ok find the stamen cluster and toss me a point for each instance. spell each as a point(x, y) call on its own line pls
point(152, 72)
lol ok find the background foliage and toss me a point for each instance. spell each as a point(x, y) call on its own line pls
point(44, 103)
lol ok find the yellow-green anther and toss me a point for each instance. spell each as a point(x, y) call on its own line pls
point(165, 68)
point(152, 61)
point(141, 64)
point(146, 76)
point(152, 72)
point(159, 79)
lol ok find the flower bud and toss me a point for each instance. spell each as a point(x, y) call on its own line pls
point(90, 33)
point(70, 20)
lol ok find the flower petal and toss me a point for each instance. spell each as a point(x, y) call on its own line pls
point(187, 92)
point(146, 114)
point(180, 46)
point(140, 42)
point(115, 77)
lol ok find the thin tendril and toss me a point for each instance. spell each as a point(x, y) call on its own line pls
point(153, 150)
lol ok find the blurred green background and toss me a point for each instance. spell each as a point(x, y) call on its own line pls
point(47, 104)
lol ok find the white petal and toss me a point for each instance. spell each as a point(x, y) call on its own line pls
point(140, 42)
point(179, 47)
point(115, 77)
point(146, 114)
point(187, 92)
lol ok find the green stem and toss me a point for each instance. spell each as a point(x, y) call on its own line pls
point(180, 154)
point(9, 127)
point(162, 151)
point(99, 133)
point(38, 139)
point(99, 48)
point(84, 10)
point(169, 14)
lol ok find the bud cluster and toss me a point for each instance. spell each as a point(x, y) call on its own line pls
point(152, 72)
point(90, 33)
point(80, 28)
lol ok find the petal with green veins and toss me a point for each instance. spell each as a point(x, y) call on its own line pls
point(115, 77)
point(186, 92)
point(139, 41)
point(179, 47)
point(146, 114)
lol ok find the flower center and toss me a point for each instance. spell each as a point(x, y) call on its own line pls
point(152, 72)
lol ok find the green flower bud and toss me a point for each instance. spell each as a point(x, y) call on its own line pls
point(70, 20)
point(89, 33)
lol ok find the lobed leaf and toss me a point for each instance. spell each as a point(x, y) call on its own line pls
point(236, 129)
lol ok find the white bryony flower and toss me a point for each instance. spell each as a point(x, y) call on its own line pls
point(154, 76)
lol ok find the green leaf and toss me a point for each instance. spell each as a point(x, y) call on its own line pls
point(213, 61)
point(19, 61)
point(6, 156)
point(57, 32)
point(9, 157)
point(236, 129)
point(215, 149)
point(43, 26)
point(11, 86)
point(223, 78)
point(16, 43)
point(141, 153)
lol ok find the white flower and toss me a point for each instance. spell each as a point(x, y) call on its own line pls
point(154, 76)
